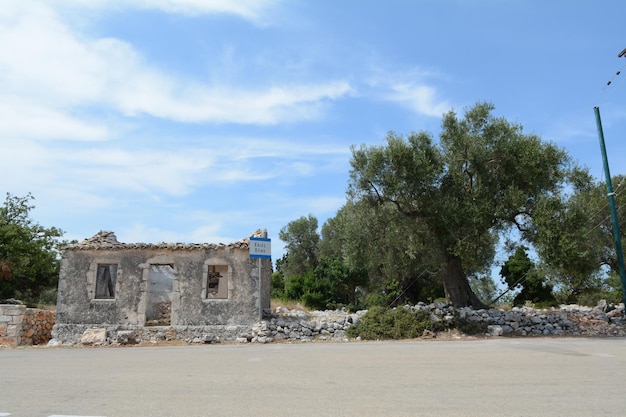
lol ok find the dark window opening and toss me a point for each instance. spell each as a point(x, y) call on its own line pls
point(213, 282)
point(106, 278)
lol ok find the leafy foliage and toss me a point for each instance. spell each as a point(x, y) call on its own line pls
point(380, 323)
point(424, 217)
point(29, 264)
point(519, 271)
point(302, 242)
point(382, 242)
point(573, 236)
point(320, 282)
point(484, 176)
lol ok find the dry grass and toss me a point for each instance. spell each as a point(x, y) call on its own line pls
point(290, 304)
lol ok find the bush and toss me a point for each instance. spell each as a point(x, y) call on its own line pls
point(380, 323)
point(278, 285)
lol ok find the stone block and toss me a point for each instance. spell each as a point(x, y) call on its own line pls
point(8, 341)
point(14, 310)
point(94, 337)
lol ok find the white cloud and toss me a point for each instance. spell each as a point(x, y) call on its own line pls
point(157, 96)
point(247, 9)
point(422, 99)
point(409, 89)
point(28, 120)
point(65, 98)
point(55, 70)
point(144, 171)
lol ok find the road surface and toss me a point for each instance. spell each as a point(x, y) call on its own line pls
point(491, 377)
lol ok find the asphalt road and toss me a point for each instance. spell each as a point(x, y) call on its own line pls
point(495, 377)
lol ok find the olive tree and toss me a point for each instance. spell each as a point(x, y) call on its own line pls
point(483, 176)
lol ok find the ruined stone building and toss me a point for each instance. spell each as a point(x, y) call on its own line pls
point(199, 290)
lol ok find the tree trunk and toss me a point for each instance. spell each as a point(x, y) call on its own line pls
point(456, 286)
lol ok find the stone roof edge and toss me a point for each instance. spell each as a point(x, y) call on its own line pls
point(108, 240)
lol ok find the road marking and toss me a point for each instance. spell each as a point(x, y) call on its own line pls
point(55, 415)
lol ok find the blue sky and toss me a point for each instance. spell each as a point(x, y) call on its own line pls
point(203, 120)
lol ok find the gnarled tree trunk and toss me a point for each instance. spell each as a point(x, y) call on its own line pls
point(456, 286)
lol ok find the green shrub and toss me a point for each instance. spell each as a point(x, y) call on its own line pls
point(278, 285)
point(380, 323)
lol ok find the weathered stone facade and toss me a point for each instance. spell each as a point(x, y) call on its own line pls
point(104, 283)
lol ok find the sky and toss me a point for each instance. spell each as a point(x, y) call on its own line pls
point(204, 120)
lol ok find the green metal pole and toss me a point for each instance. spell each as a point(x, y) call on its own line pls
point(611, 196)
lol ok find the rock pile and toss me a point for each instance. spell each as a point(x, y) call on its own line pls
point(297, 326)
point(37, 326)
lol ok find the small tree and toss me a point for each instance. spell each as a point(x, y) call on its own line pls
point(29, 252)
point(519, 271)
point(302, 242)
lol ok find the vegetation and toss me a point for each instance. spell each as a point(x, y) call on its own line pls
point(424, 218)
point(520, 272)
point(29, 254)
point(483, 177)
point(320, 282)
point(380, 323)
point(574, 238)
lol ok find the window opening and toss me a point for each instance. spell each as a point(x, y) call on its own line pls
point(106, 278)
point(213, 284)
point(160, 287)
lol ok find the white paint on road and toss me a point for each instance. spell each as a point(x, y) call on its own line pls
point(54, 415)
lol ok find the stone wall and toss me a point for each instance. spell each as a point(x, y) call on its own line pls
point(11, 316)
point(37, 326)
point(572, 321)
point(297, 326)
point(24, 326)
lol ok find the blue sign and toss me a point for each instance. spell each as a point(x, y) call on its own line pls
point(260, 247)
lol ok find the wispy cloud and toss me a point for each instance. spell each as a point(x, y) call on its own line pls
point(160, 97)
point(28, 120)
point(421, 99)
point(413, 89)
point(253, 10)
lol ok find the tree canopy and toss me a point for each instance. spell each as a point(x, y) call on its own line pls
point(574, 237)
point(519, 271)
point(29, 261)
point(424, 218)
point(483, 176)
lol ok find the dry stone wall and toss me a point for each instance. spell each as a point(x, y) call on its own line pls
point(25, 326)
point(37, 326)
point(11, 316)
point(297, 326)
